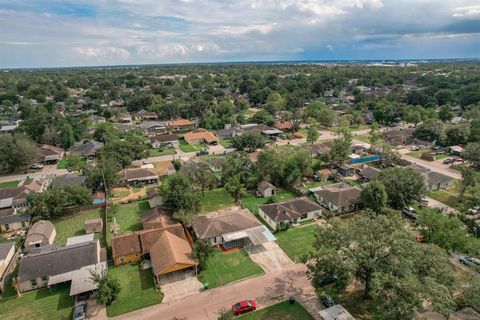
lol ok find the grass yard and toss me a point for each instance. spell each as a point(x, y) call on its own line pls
point(73, 225)
point(215, 199)
point(62, 164)
point(283, 310)
point(251, 202)
point(9, 184)
point(159, 152)
point(444, 196)
point(185, 147)
point(314, 184)
point(39, 305)
point(297, 241)
point(138, 290)
point(226, 142)
point(128, 215)
point(225, 268)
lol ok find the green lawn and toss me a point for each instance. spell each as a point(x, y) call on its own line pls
point(314, 184)
point(215, 199)
point(356, 304)
point(62, 164)
point(251, 202)
point(225, 268)
point(185, 147)
point(280, 311)
point(418, 154)
point(450, 199)
point(39, 305)
point(160, 152)
point(128, 215)
point(73, 225)
point(226, 142)
point(9, 184)
point(138, 290)
point(297, 241)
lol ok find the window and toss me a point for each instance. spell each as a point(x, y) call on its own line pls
point(122, 259)
point(304, 216)
point(44, 279)
point(33, 282)
point(7, 227)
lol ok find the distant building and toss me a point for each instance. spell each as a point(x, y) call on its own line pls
point(290, 212)
point(87, 149)
point(181, 125)
point(198, 136)
point(131, 176)
point(339, 198)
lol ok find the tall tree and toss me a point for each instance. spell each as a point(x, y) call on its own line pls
point(403, 186)
point(178, 194)
point(374, 196)
point(235, 187)
point(312, 135)
point(340, 149)
point(398, 272)
point(108, 287)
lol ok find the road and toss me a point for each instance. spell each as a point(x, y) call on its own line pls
point(46, 171)
point(266, 290)
point(432, 165)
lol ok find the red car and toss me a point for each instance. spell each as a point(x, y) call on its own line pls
point(244, 307)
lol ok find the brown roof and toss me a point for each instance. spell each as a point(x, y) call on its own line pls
point(170, 250)
point(149, 237)
point(43, 227)
point(94, 225)
point(291, 209)
point(181, 122)
point(340, 194)
point(55, 150)
point(157, 218)
point(126, 244)
point(200, 134)
point(138, 173)
point(287, 125)
point(215, 224)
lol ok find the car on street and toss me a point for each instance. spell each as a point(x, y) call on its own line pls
point(202, 153)
point(410, 213)
point(327, 301)
point(244, 307)
point(36, 166)
point(448, 161)
point(469, 261)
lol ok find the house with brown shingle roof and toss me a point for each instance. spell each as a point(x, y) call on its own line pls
point(290, 212)
point(339, 197)
point(132, 176)
point(181, 125)
point(231, 228)
point(198, 136)
point(42, 233)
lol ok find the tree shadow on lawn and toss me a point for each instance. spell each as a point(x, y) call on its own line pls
point(285, 287)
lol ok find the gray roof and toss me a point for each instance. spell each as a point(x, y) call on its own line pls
point(434, 177)
point(164, 138)
point(291, 209)
point(58, 260)
point(61, 182)
point(340, 194)
point(15, 218)
point(88, 148)
point(5, 249)
point(370, 172)
point(213, 225)
point(264, 185)
point(229, 132)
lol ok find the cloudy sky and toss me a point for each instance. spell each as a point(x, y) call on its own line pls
point(42, 33)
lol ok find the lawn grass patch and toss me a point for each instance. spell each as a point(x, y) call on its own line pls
point(215, 199)
point(283, 310)
point(73, 225)
point(251, 202)
point(159, 152)
point(297, 241)
point(227, 143)
point(138, 290)
point(314, 184)
point(9, 184)
point(445, 197)
point(223, 268)
point(185, 147)
point(63, 163)
point(42, 304)
point(128, 216)
point(356, 304)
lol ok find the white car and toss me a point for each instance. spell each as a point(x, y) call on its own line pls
point(414, 148)
point(36, 166)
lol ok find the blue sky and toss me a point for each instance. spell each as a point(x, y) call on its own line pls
point(45, 33)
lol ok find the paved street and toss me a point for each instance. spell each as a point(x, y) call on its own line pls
point(266, 290)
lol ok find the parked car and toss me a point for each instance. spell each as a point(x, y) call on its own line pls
point(327, 281)
point(398, 147)
point(473, 210)
point(327, 301)
point(469, 261)
point(438, 148)
point(414, 148)
point(202, 153)
point(410, 213)
point(244, 307)
point(79, 311)
point(448, 161)
point(36, 166)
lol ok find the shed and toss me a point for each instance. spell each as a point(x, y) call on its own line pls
point(266, 189)
point(94, 225)
point(42, 233)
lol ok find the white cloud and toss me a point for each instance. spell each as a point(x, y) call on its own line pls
point(468, 11)
point(103, 54)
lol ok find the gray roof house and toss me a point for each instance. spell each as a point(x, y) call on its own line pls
point(368, 173)
point(62, 181)
point(53, 265)
point(339, 197)
point(87, 149)
point(138, 175)
point(433, 180)
point(290, 212)
point(229, 133)
point(231, 228)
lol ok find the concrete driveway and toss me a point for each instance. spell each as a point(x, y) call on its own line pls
point(270, 257)
point(179, 285)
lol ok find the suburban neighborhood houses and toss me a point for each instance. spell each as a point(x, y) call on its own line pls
point(205, 192)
